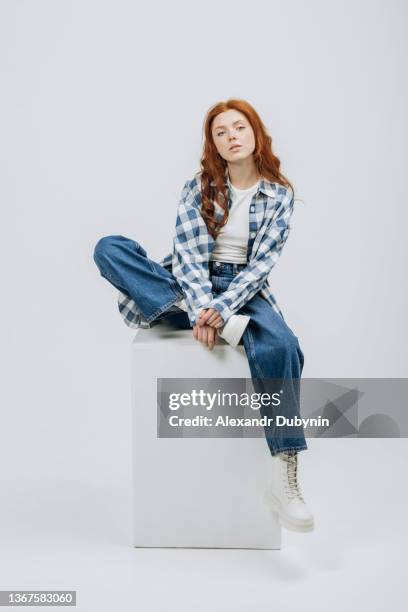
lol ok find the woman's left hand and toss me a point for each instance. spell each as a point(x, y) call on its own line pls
point(211, 317)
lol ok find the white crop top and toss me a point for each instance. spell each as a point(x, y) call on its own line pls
point(232, 241)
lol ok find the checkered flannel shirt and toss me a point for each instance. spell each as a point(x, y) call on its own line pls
point(270, 212)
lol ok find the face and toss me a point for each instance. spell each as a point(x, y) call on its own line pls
point(233, 128)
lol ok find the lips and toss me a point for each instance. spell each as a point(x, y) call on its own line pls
point(235, 147)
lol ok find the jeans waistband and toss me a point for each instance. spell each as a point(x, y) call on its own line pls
point(222, 268)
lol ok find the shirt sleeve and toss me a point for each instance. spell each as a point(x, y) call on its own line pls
point(250, 280)
point(191, 252)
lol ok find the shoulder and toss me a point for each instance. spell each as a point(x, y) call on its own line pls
point(283, 192)
point(278, 197)
point(284, 196)
point(193, 182)
point(191, 192)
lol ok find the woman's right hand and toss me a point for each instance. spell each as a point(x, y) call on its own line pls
point(206, 334)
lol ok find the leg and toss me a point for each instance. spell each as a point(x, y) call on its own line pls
point(124, 263)
point(276, 363)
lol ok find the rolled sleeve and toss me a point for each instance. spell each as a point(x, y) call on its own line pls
point(191, 253)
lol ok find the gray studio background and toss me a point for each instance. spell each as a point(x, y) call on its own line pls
point(102, 112)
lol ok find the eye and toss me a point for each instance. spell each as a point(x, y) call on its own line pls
point(219, 133)
point(241, 127)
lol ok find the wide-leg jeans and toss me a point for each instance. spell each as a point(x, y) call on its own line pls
point(274, 355)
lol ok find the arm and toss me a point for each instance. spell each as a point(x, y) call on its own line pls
point(190, 249)
point(250, 280)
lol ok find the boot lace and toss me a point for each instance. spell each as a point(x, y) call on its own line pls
point(292, 488)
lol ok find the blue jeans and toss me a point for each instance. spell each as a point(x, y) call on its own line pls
point(273, 352)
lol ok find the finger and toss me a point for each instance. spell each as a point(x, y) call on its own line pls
point(204, 316)
point(213, 318)
point(204, 334)
point(211, 338)
point(212, 315)
point(201, 319)
point(219, 322)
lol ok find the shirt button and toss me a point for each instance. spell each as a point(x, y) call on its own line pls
point(252, 208)
point(217, 263)
point(253, 234)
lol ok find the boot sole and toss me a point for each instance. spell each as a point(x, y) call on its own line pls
point(283, 520)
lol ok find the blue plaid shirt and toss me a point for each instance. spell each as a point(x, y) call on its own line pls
point(270, 212)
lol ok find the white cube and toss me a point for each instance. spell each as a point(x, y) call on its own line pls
point(194, 492)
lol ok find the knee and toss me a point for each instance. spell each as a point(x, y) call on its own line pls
point(286, 346)
point(301, 356)
point(104, 249)
point(295, 353)
point(293, 349)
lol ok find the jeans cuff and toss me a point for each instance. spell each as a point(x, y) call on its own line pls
point(276, 451)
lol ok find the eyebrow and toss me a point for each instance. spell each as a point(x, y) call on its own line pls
point(223, 126)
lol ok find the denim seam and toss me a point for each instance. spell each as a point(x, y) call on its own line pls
point(108, 275)
point(253, 354)
point(152, 265)
point(162, 309)
point(175, 284)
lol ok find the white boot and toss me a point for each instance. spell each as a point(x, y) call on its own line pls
point(284, 496)
point(232, 331)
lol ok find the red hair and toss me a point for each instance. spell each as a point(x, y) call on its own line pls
point(214, 167)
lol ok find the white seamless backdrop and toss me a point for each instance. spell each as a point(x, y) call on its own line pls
point(102, 110)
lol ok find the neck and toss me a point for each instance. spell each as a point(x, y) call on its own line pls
point(243, 175)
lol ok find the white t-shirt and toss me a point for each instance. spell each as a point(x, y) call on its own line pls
point(232, 241)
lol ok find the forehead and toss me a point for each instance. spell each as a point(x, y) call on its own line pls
point(228, 118)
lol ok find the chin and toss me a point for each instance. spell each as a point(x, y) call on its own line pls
point(233, 156)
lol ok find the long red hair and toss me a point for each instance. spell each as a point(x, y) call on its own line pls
point(213, 166)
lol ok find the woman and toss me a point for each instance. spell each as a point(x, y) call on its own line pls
point(233, 220)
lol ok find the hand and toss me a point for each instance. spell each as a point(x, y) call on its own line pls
point(211, 317)
point(206, 334)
